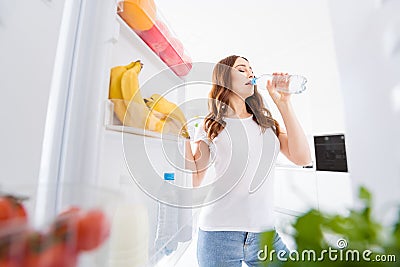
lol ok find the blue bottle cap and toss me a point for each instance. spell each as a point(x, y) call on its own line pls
point(170, 176)
point(254, 80)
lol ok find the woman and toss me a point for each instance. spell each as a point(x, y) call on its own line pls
point(240, 135)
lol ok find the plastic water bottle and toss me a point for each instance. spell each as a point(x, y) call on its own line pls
point(297, 83)
point(167, 225)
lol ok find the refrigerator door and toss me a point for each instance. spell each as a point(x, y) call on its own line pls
point(82, 40)
point(29, 33)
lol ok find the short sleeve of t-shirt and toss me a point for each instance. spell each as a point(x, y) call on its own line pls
point(200, 134)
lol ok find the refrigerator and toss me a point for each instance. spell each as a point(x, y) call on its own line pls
point(61, 141)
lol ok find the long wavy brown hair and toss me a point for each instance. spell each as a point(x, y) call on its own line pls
point(219, 101)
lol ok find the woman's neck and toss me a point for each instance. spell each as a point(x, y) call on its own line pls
point(237, 108)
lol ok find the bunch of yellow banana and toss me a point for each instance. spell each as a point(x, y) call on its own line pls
point(129, 105)
point(173, 113)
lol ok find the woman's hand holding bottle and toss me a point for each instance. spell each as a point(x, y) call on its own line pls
point(280, 80)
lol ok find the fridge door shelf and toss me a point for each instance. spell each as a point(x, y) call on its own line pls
point(138, 218)
point(132, 118)
point(144, 19)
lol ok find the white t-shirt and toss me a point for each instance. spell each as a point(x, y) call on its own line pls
point(244, 160)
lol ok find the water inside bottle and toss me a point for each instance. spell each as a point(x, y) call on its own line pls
point(296, 83)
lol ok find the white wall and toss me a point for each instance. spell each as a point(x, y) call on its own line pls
point(368, 50)
point(288, 36)
point(29, 35)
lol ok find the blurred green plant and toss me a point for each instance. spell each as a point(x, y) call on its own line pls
point(359, 238)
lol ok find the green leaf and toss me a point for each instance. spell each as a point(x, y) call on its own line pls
point(359, 228)
point(396, 234)
point(365, 195)
point(266, 245)
point(308, 230)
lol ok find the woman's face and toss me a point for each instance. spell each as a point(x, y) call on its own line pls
point(241, 74)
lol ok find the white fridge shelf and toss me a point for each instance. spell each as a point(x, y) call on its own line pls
point(137, 131)
point(114, 124)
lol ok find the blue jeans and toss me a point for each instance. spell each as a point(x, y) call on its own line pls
point(231, 248)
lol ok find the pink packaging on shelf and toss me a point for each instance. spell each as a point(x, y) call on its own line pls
point(156, 37)
point(143, 19)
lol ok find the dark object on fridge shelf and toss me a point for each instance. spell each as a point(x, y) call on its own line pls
point(330, 153)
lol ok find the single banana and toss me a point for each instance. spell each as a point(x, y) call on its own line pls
point(115, 94)
point(162, 105)
point(174, 126)
point(130, 84)
point(156, 124)
point(149, 102)
point(120, 110)
point(171, 110)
